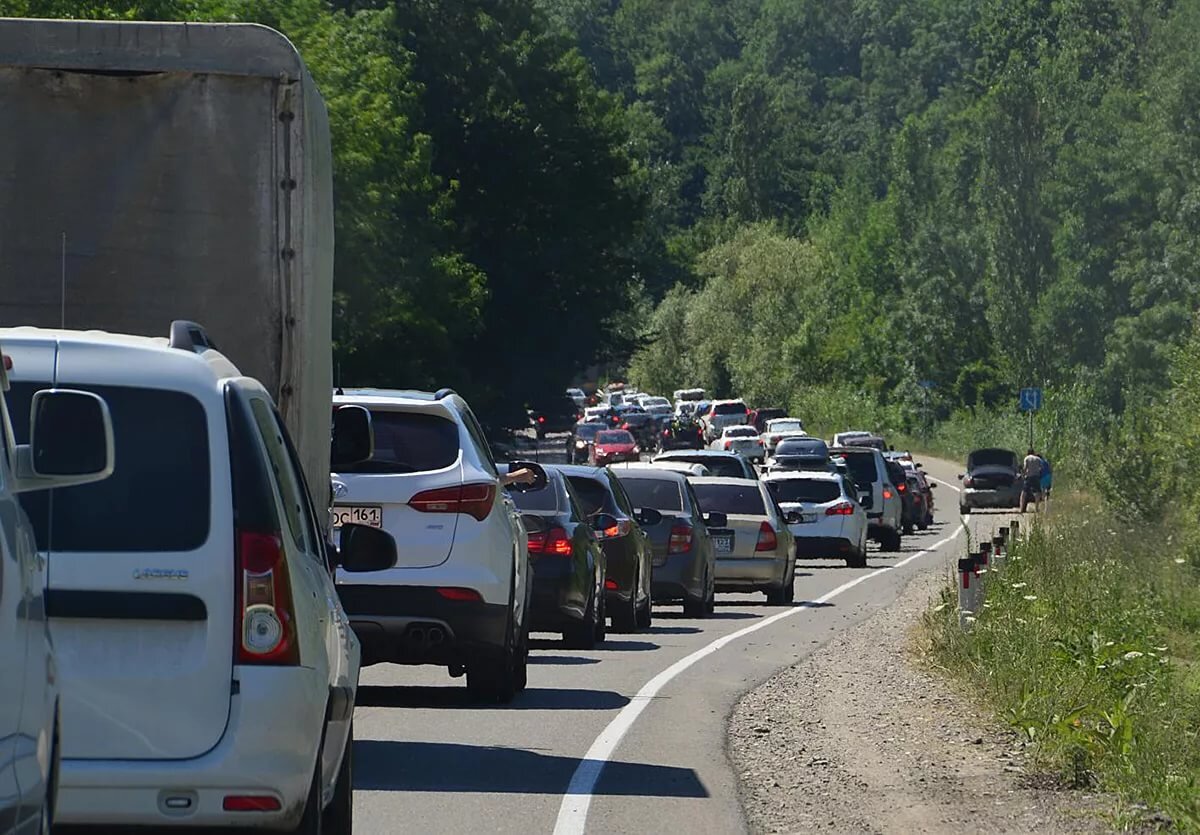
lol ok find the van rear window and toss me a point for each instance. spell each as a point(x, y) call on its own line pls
point(159, 495)
point(409, 442)
point(862, 467)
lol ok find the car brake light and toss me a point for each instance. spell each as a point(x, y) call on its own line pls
point(887, 494)
point(968, 482)
point(553, 541)
point(901, 488)
point(767, 540)
point(840, 509)
point(459, 594)
point(475, 500)
point(610, 585)
point(666, 433)
point(541, 418)
point(728, 444)
point(681, 539)
point(265, 623)
point(250, 803)
point(622, 528)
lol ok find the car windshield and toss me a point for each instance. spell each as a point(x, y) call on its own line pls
point(862, 467)
point(409, 442)
point(992, 458)
point(740, 499)
point(735, 408)
point(614, 436)
point(658, 493)
point(785, 426)
point(804, 490)
point(809, 447)
point(587, 431)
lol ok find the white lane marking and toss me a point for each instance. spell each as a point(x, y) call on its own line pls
point(572, 814)
point(948, 484)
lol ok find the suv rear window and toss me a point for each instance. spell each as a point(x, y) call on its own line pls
point(746, 500)
point(729, 409)
point(159, 495)
point(410, 442)
point(804, 490)
point(658, 493)
point(862, 467)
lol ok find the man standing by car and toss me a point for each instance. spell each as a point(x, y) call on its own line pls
point(1031, 471)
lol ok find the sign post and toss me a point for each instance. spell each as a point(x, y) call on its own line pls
point(1030, 401)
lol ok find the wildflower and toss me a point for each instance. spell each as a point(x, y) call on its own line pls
point(1132, 654)
point(1110, 643)
point(1180, 560)
point(970, 619)
point(1021, 620)
point(1031, 597)
point(1161, 649)
point(1018, 585)
point(941, 607)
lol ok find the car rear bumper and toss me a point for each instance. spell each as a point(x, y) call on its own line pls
point(269, 748)
point(824, 546)
point(416, 625)
point(747, 573)
point(558, 602)
point(1001, 498)
point(676, 578)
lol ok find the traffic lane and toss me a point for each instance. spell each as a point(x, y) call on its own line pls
point(684, 726)
point(425, 752)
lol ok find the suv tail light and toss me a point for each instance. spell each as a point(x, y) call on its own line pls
point(840, 509)
point(264, 617)
point(622, 528)
point(681, 539)
point(901, 488)
point(554, 541)
point(968, 482)
point(728, 444)
point(887, 494)
point(475, 500)
point(767, 541)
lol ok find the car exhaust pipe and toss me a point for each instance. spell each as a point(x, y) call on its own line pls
point(416, 637)
point(436, 636)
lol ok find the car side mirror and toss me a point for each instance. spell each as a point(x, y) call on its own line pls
point(353, 439)
point(70, 441)
point(647, 517)
point(932, 486)
point(716, 519)
point(960, 476)
point(604, 521)
point(540, 479)
point(364, 548)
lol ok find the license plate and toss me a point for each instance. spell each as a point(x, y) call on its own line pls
point(358, 515)
point(723, 543)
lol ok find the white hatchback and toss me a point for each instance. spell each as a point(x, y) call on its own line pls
point(744, 440)
point(823, 514)
point(207, 671)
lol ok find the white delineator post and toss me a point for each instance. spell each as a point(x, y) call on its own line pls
point(967, 584)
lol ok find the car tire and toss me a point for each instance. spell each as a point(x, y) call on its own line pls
point(711, 604)
point(521, 663)
point(963, 510)
point(858, 560)
point(582, 635)
point(696, 607)
point(891, 540)
point(624, 616)
point(493, 678)
point(909, 528)
point(645, 615)
point(338, 817)
point(602, 619)
point(923, 525)
point(776, 596)
point(50, 800)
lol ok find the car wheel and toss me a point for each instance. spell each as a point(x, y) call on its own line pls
point(777, 596)
point(493, 678)
point(858, 560)
point(908, 528)
point(645, 614)
point(963, 510)
point(789, 590)
point(338, 817)
point(697, 607)
point(49, 801)
point(602, 619)
point(521, 664)
point(582, 635)
point(711, 606)
point(891, 541)
point(625, 616)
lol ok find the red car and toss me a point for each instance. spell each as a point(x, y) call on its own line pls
point(614, 445)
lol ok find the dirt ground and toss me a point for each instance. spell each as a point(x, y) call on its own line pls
point(858, 738)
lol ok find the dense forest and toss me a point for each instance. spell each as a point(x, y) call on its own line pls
point(814, 203)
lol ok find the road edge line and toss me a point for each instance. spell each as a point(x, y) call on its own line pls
point(576, 802)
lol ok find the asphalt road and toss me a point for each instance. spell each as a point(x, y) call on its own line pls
point(630, 737)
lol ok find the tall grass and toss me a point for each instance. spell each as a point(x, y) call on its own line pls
point(1089, 646)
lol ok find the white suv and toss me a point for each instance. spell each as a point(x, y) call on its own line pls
point(73, 445)
point(460, 594)
point(207, 672)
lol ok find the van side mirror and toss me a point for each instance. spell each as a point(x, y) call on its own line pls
point(353, 439)
point(70, 441)
point(364, 548)
point(716, 519)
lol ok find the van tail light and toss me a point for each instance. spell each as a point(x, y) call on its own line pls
point(887, 494)
point(475, 500)
point(554, 541)
point(265, 619)
point(767, 541)
point(622, 528)
point(840, 509)
point(901, 488)
point(728, 444)
point(681, 539)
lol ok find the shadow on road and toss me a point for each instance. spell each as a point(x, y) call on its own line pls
point(387, 765)
point(456, 697)
point(718, 615)
point(672, 630)
point(566, 660)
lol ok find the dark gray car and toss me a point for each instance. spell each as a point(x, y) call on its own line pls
point(683, 556)
point(719, 463)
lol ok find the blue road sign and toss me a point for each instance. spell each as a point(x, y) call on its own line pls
point(1031, 400)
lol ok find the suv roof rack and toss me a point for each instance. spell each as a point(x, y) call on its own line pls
point(189, 336)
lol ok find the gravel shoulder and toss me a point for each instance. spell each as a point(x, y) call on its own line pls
point(859, 738)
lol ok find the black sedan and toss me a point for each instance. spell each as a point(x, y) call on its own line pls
point(579, 447)
point(568, 564)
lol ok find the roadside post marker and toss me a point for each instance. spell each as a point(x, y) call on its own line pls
point(966, 589)
point(1014, 532)
point(985, 555)
point(998, 554)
